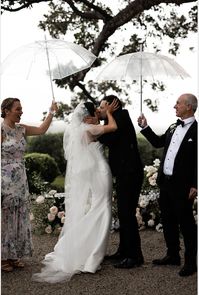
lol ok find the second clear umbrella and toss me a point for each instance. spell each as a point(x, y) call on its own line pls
point(142, 65)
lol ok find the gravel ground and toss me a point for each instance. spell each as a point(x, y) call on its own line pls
point(144, 280)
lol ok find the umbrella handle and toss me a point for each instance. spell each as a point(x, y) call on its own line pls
point(142, 121)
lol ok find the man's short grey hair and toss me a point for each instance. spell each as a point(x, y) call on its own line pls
point(192, 100)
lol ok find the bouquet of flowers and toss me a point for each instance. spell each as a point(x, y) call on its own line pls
point(48, 212)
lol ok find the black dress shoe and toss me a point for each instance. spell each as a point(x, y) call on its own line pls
point(114, 257)
point(129, 263)
point(187, 270)
point(167, 260)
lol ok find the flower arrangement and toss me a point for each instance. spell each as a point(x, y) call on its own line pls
point(147, 212)
point(48, 212)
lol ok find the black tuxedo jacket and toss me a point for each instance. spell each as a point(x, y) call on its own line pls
point(124, 156)
point(185, 164)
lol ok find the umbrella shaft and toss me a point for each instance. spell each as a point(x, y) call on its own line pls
point(140, 94)
point(48, 60)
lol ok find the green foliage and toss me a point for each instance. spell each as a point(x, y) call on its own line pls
point(147, 151)
point(58, 184)
point(36, 183)
point(51, 144)
point(40, 213)
point(41, 168)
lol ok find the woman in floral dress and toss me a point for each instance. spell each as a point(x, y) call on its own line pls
point(15, 221)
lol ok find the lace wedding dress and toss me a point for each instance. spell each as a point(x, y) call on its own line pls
point(88, 187)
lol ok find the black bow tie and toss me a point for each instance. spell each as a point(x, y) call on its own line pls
point(180, 122)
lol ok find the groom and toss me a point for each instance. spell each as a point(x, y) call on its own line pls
point(126, 166)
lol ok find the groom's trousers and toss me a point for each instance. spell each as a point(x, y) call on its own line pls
point(128, 187)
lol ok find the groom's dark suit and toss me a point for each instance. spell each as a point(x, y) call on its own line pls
point(126, 166)
point(175, 206)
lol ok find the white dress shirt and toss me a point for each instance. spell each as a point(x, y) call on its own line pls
point(175, 143)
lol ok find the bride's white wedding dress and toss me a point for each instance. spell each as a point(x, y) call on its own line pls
point(88, 187)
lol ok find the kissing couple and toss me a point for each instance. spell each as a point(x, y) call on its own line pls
point(83, 241)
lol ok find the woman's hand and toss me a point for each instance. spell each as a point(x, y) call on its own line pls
point(113, 106)
point(54, 108)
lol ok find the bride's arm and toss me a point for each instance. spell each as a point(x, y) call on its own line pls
point(111, 126)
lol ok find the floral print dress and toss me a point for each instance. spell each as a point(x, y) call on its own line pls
point(15, 221)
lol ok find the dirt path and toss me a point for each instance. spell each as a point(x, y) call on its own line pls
point(144, 280)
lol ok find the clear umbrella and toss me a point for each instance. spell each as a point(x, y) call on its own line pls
point(141, 65)
point(56, 58)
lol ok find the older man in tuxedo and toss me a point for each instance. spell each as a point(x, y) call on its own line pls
point(177, 179)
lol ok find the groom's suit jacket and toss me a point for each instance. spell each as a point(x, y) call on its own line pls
point(124, 156)
point(185, 164)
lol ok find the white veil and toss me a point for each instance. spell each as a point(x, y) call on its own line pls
point(81, 163)
point(87, 175)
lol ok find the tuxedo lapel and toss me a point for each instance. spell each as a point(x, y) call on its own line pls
point(188, 136)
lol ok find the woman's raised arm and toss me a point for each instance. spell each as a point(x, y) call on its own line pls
point(33, 130)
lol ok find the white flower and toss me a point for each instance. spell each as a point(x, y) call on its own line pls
point(152, 181)
point(40, 199)
point(159, 227)
point(61, 214)
point(48, 229)
point(51, 216)
point(196, 218)
point(150, 170)
point(63, 219)
point(172, 127)
point(52, 192)
point(143, 204)
point(151, 222)
point(54, 210)
point(156, 162)
point(60, 195)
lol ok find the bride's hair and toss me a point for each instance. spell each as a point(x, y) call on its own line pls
point(90, 108)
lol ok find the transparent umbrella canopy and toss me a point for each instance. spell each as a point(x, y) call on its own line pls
point(55, 58)
point(141, 66)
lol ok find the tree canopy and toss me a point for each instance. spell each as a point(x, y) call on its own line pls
point(108, 29)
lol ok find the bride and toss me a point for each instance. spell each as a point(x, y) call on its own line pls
point(88, 188)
